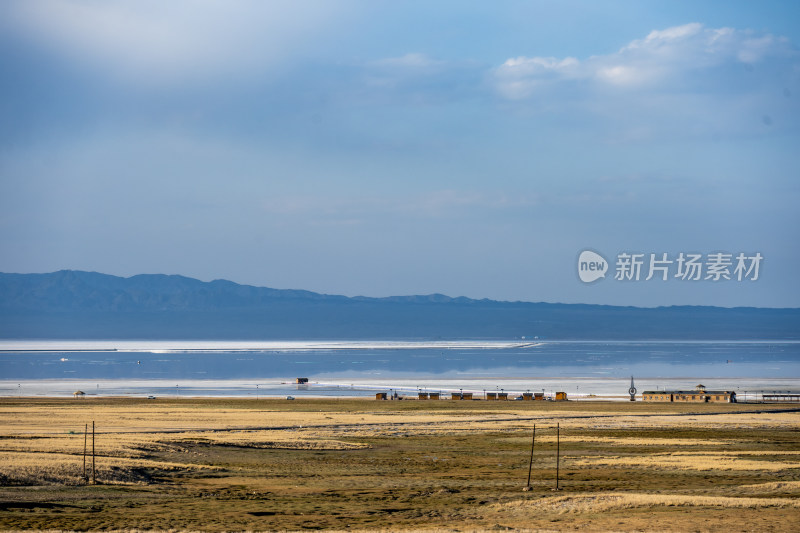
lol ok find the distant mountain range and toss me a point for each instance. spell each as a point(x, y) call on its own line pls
point(88, 305)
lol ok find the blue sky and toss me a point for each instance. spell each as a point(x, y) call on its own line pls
point(385, 148)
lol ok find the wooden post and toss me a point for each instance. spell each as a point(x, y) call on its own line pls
point(84, 477)
point(94, 478)
point(530, 465)
point(558, 451)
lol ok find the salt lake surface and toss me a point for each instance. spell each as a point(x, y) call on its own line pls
point(360, 368)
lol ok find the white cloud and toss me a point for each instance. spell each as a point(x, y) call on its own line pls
point(659, 38)
point(152, 41)
point(664, 58)
point(518, 77)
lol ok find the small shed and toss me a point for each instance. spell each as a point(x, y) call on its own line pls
point(561, 396)
point(433, 395)
point(422, 396)
point(491, 395)
point(527, 396)
point(502, 396)
point(538, 396)
point(381, 396)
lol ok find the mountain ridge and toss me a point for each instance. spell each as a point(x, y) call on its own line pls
point(80, 304)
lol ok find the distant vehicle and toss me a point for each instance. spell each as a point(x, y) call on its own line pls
point(290, 397)
point(151, 397)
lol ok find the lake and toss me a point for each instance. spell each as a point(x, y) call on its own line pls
point(360, 368)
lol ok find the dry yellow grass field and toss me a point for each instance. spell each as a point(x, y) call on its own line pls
point(274, 465)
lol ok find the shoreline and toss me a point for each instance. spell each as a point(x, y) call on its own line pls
point(577, 388)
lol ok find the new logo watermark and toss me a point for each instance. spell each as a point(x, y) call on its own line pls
point(591, 266)
point(663, 266)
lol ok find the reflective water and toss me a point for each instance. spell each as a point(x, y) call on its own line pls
point(361, 368)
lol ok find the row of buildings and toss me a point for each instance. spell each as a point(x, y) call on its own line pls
point(699, 395)
point(529, 396)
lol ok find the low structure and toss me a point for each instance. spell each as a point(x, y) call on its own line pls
point(780, 397)
point(301, 381)
point(527, 396)
point(422, 395)
point(381, 396)
point(561, 396)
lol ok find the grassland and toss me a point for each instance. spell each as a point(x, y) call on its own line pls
point(345, 465)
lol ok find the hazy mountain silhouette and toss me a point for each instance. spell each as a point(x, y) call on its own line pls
point(88, 305)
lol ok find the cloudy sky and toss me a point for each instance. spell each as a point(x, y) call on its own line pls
point(384, 148)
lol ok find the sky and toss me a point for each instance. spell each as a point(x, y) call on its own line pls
point(391, 148)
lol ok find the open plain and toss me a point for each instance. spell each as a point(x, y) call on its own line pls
point(200, 464)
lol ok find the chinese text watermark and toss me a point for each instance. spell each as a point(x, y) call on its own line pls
point(683, 266)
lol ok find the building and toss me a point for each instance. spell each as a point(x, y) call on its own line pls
point(657, 396)
point(699, 395)
point(561, 396)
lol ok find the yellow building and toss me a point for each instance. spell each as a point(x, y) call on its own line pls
point(699, 395)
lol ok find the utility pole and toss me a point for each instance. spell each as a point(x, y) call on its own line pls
point(530, 465)
point(558, 451)
point(85, 436)
point(94, 478)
